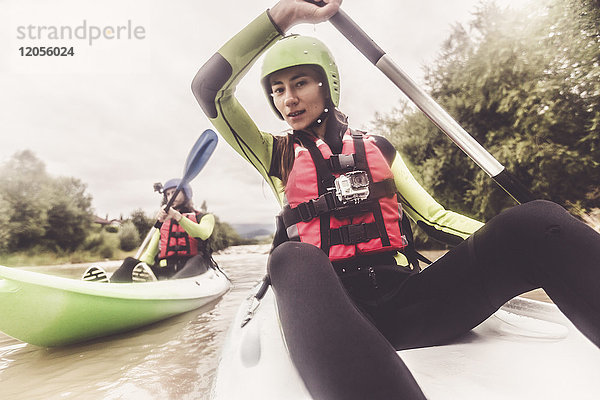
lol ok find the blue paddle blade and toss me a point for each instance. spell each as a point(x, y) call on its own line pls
point(196, 160)
point(200, 154)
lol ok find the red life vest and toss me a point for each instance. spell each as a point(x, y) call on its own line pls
point(174, 240)
point(344, 227)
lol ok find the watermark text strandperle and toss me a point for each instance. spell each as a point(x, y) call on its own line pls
point(84, 31)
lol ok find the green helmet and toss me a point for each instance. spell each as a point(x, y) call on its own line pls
point(295, 50)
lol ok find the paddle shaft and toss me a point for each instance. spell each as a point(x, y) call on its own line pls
point(145, 242)
point(156, 225)
point(350, 29)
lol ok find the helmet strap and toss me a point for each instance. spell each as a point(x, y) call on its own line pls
point(320, 119)
point(323, 116)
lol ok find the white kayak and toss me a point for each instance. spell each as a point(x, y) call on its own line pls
point(526, 350)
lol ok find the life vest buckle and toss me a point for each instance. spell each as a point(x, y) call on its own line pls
point(304, 211)
point(322, 204)
point(342, 162)
point(177, 247)
point(352, 187)
point(356, 233)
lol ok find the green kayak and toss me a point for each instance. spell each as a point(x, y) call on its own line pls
point(47, 310)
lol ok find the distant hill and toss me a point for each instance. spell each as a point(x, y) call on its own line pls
point(252, 231)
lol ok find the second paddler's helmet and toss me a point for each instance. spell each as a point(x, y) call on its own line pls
point(173, 183)
point(294, 50)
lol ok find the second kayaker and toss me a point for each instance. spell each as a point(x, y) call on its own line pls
point(179, 249)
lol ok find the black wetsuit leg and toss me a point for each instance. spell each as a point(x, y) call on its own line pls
point(123, 273)
point(537, 244)
point(173, 265)
point(196, 265)
point(340, 354)
point(335, 348)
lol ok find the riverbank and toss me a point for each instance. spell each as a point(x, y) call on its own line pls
point(45, 257)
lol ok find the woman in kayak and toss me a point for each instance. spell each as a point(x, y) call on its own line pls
point(347, 284)
point(179, 249)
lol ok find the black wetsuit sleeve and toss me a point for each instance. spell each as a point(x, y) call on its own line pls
point(443, 225)
point(386, 148)
point(275, 166)
point(214, 87)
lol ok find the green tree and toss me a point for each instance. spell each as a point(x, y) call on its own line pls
point(40, 209)
point(224, 236)
point(203, 207)
point(23, 179)
point(142, 222)
point(526, 85)
point(68, 214)
point(129, 238)
point(5, 216)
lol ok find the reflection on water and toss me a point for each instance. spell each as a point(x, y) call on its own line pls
point(173, 359)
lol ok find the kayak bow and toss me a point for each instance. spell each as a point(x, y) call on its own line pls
point(526, 350)
point(49, 311)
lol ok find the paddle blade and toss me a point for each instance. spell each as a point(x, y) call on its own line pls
point(196, 160)
point(200, 154)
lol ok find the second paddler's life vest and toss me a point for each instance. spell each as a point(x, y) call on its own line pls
point(174, 240)
point(346, 203)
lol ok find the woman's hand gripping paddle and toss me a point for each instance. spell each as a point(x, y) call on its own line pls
point(350, 29)
point(196, 160)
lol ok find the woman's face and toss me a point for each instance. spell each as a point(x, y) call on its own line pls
point(179, 200)
point(298, 94)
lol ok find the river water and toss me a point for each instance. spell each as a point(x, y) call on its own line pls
point(173, 359)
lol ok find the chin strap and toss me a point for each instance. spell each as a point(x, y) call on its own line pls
point(320, 119)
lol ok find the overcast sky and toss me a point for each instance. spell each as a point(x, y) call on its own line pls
point(120, 115)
